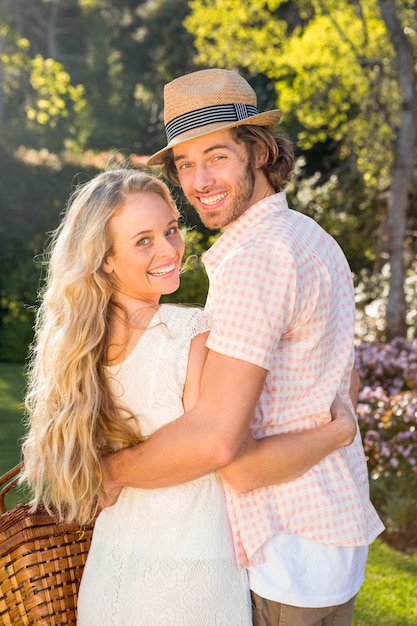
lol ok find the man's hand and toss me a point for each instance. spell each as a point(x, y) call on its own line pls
point(110, 491)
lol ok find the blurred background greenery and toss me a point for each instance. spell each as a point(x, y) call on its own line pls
point(81, 84)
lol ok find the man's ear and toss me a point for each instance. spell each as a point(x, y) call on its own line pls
point(261, 155)
point(107, 265)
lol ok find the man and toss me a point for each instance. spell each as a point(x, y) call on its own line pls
point(281, 347)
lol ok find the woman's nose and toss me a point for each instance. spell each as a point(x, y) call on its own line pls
point(165, 247)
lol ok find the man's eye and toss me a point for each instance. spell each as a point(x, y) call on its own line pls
point(184, 166)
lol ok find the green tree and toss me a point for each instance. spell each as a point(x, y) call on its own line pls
point(39, 104)
point(400, 18)
point(344, 74)
point(33, 191)
point(93, 72)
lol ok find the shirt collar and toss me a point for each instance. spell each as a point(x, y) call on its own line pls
point(252, 218)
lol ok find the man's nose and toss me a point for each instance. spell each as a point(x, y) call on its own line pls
point(203, 177)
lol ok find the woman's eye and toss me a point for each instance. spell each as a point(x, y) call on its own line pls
point(143, 242)
point(173, 230)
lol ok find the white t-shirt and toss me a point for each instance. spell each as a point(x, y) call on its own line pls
point(301, 572)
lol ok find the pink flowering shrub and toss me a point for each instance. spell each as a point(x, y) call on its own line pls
point(387, 408)
point(387, 414)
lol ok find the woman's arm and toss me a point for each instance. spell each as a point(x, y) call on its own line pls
point(196, 359)
point(287, 455)
point(354, 387)
point(282, 458)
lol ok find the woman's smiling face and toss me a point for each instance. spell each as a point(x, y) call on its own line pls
point(147, 249)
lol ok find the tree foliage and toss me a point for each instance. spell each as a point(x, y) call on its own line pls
point(344, 73)
point(84, 77)
point(107, 61)
point(37, 91)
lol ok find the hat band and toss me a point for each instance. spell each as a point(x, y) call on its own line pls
point(209, 115)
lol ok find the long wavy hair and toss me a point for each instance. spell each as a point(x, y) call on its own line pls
point(278, 167)
point(72, 417)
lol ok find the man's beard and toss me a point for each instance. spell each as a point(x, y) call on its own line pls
point(242, 193)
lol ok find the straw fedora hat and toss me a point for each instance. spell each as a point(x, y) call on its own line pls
point(205, 101)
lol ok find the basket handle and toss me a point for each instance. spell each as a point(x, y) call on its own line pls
point(9, 480)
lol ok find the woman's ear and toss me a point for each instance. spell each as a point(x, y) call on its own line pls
point(107, 265)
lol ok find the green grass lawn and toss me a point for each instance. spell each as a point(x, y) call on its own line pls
point(11, 412)
point(11, 426)
point(388, 596)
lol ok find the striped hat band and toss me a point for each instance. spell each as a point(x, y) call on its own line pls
point(209, 115)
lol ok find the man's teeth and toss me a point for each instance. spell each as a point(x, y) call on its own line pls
point(160, 271)
point(213, 199)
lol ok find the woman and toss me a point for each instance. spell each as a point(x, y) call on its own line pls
point(109, 366)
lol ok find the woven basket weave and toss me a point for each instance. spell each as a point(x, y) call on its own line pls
point(41, 563)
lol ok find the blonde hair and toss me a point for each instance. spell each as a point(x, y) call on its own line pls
point(73, 418)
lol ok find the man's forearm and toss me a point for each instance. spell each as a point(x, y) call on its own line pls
point(206, 438)
point(172, 455)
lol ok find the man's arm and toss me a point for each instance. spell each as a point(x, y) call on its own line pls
point(209, 436)
point(215, 433)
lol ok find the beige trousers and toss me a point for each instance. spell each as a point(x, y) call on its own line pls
point(269, 613)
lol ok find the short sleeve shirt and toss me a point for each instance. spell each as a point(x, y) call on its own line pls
point(281, 297)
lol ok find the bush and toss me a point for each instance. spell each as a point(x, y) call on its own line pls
point(387, 412)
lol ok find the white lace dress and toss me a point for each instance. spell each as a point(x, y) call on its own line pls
point(163, 557)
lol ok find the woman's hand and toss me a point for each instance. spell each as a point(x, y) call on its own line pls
point(345, 420)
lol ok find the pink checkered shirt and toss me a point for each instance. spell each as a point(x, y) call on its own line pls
point(281, 297)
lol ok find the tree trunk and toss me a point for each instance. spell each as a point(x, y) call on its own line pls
point(2, 46)
point(402, 173)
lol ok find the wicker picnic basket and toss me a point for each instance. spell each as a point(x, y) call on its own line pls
point(41, 562)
